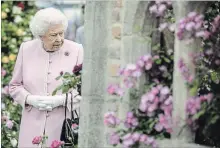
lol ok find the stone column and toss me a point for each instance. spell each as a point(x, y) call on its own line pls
point(97, 38)
point(137, 24)
point(182, 50)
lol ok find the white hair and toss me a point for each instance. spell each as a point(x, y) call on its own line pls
point(44, 18)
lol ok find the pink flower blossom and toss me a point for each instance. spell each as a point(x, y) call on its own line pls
point(115, 89)
point(193, 105)
point(163, 26)
point(112, 89)
point(167, 109)
point(130, 121)
point(74, 126)
point(148, 66)
point(37, 140)
point(143, 138)
point(136, 73)
point(127, 140)
point(199, 18)
point(165, 90)
point(185, 71)
point(130, 67)
point(152, 107)
point(120, 92)
point(154, 91)
point(156, 57)
point(200, 34)
point(136, 136)
point(198, 25)
point(153, 9)
point(114, 139)
point(9, 124)
point(111, 120)
point(56, 144)
point(140, 63)
point(5, 90)
point(190, 26)
point(169, 100)
point(207, 97)
point(129, 83)
point(3, 72)
point(161, 9)
point(158, 127)
point(146, 57)
point(192, 15)
point(165, 122)
point(149, 140)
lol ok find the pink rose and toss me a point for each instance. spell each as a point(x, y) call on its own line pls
point(74, 126)
point(158, 127)
point(114, 139)
point(37, 140)
point(3, 72)
point(56, 144)
point(161, 9)
point(9, 124)
point(111, 120)
point(143, 138)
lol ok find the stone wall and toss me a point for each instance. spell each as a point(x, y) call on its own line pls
point(116, 33)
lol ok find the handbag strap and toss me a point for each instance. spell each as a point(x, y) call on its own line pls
point(72, 114)
point(66, 104)
point(71, 106)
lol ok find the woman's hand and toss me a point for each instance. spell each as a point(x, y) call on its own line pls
point(37, 102)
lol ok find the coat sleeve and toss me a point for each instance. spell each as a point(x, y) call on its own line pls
point(16, 88)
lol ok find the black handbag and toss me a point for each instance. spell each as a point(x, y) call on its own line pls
point(69, 133)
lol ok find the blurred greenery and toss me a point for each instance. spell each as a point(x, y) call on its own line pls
point(15, 16)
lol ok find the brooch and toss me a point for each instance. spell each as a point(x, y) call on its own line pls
point(66, 53)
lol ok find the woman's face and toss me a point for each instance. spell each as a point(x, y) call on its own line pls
point(54, 37)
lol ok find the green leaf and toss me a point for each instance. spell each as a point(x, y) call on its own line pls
point(57, 89)
point(66, 74)
point(65, 89)
point(197, 115)
point(158, 61)
point(166, 60)
point(57, 78)
point(215, 77)
point(214, 119)
point(193, 91)
point(54, 92)
point(152, 124)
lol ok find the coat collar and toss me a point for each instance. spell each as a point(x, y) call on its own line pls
point(40, 46)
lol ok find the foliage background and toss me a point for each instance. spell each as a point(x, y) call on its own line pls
point(15, 17)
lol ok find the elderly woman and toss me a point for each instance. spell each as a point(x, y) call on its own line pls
point(38, 63)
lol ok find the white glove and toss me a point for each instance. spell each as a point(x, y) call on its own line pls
point(54, 101)
point(45, 102)
point(37, 102)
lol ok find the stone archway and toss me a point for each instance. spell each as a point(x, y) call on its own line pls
point(131, 35)
point(138, 28)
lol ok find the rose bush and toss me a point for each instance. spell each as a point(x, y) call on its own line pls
point(152, 118)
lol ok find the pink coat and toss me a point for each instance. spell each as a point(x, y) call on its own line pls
point(34, 73)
